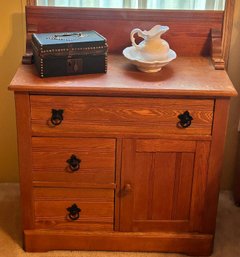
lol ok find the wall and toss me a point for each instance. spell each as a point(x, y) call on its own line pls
point(231, 146)
point(11, 49)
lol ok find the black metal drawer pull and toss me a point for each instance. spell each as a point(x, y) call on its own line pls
point(73, 212)
point(74, 163)
point(185, 120)
point(56, 118)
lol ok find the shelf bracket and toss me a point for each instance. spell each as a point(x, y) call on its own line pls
point(28, 56)
point(216, 50)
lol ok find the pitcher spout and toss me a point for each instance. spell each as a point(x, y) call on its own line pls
point(157, 30)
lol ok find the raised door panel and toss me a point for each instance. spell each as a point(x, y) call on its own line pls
point(159, 187)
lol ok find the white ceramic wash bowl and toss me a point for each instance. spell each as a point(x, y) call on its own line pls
point(147, 66)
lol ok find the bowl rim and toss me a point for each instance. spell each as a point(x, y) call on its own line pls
point(126, 55)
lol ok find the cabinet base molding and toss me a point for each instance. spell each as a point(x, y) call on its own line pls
point(191, 244)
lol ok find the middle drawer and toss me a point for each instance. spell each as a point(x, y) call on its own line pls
point(75, 160)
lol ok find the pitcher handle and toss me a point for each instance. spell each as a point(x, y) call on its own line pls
point(133, 32)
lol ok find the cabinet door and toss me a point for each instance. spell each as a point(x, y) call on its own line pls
point(163, 185)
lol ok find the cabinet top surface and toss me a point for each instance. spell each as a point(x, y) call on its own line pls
point(189, 76)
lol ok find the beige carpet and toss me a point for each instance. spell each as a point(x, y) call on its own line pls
point(227, 242)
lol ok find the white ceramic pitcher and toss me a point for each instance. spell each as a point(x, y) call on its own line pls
point(153, 47)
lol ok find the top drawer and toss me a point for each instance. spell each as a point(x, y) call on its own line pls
point(119, 115)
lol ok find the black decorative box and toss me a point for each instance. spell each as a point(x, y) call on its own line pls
point(70, 53)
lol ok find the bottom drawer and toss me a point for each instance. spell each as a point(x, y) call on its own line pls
point(74, 208)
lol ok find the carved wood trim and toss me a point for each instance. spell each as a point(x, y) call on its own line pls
point(28, 56)
point(221, 41)
point(216, 50)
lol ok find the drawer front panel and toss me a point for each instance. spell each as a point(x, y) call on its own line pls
point(54, 160)
point(96, 208)
point(120, 115)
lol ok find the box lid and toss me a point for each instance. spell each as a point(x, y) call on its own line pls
point(68, 41)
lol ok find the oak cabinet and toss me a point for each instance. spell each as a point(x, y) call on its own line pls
point(122, 161)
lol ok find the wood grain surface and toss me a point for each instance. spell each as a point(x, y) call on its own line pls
point(188, 76)
point(191, 244)
point(97, 208)
point(120, 115)
point(215, 165)
point(116, 25)
point(216, 50)
point(23, 117)
point(227, 29)
point(167, 185)
point(50, 155)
